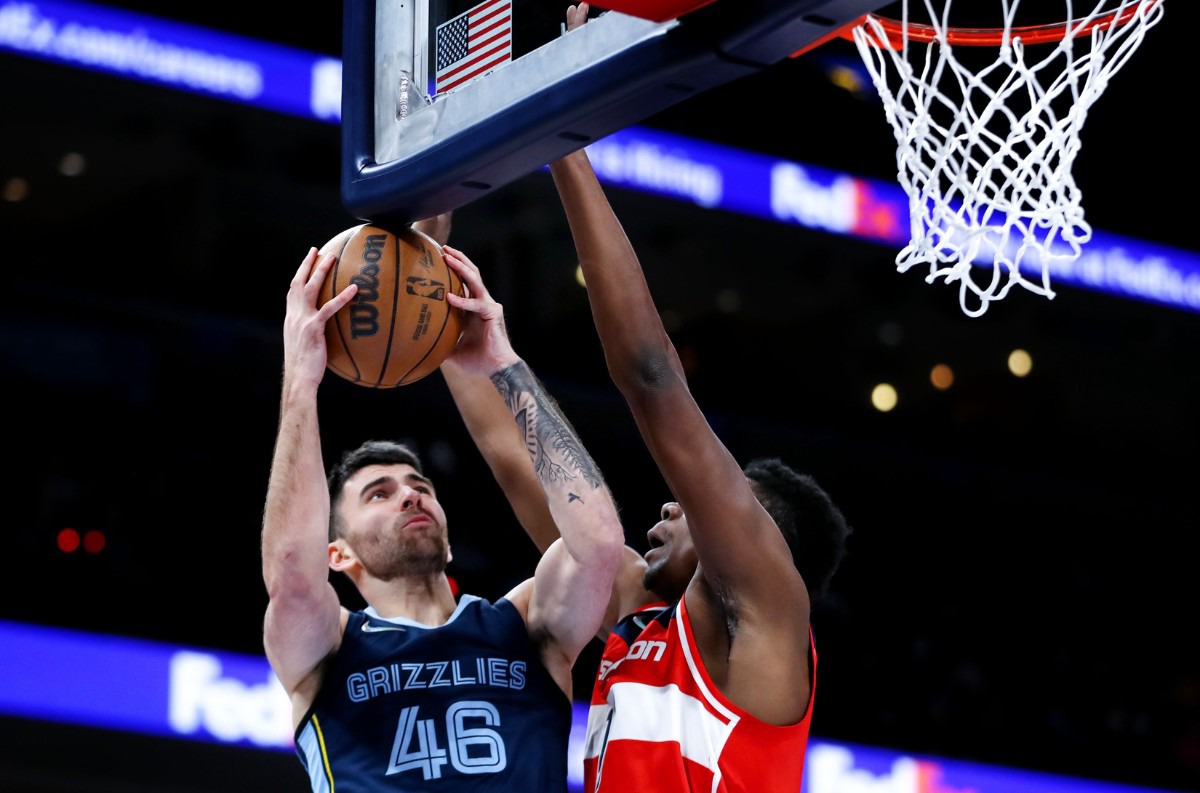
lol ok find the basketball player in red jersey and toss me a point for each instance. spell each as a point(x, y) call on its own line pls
point(708, 673)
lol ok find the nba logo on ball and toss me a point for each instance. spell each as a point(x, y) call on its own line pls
point(424, 287)
point(388, 336)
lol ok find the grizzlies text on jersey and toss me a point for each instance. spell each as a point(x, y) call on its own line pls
point(464, 706)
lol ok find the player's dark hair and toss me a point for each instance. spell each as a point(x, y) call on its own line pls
point(368, 453)
point(812, 524)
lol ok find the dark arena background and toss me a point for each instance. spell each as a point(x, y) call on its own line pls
point(1021, 591)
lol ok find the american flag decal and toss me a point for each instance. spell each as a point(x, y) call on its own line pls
point(473, 44)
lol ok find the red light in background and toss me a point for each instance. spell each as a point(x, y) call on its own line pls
point(93, 541)
point(68, 540)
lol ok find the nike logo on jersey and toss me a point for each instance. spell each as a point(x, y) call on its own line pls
point(369, 628)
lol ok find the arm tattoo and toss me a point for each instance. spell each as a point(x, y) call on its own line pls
point(558, 454)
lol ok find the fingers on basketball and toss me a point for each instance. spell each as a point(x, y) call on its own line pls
point(399, 327)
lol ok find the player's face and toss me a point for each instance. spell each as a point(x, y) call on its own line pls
point(394, 523)
point(671, 560)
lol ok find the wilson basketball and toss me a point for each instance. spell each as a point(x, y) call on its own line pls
point(399, 327)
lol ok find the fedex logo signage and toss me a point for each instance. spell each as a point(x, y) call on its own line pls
point(141, 686)
point(204, 698)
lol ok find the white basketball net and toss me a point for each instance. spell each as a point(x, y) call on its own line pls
point(986, 155)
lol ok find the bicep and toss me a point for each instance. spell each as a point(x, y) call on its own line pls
point(299, 632)
point(570, 598)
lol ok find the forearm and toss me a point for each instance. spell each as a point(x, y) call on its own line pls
point(575, 491)
point(490, 424)
point(636, 345)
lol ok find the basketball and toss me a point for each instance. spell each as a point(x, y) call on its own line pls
point(399, 327)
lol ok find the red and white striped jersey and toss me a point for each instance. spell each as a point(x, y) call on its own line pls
point(658, 724)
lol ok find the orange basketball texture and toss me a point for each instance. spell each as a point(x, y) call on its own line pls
point(399, 327)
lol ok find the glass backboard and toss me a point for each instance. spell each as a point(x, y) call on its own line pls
point(445, 101)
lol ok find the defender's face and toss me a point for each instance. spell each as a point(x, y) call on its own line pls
point(671, 560)
point(393, 521)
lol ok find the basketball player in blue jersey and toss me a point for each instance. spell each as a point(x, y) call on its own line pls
point(420, 691)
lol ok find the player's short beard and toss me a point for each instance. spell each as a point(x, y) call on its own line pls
point(415, 556)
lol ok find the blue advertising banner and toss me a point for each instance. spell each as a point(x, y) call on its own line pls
point(152, 688)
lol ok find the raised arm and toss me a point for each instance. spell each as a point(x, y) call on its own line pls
point(490, 424)
point(303, 620)
point(565, 601)
point(749, 587)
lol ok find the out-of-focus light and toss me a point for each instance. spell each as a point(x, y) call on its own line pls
point(847, 79)
point(942, 376)
point(728, 301)
point(16, 189)
point(1019, 363)
point(72, 164)
point(884, 397)
point(579, 276)
point(68, 540)
point(93, 541)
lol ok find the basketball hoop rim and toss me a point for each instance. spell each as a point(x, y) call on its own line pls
point(897, 32)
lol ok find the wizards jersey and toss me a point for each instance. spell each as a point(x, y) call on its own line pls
point(658, 724)
point(465, 706)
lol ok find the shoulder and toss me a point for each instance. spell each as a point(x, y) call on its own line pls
point(519, 597)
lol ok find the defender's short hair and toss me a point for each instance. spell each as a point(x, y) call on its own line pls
point(814, 527)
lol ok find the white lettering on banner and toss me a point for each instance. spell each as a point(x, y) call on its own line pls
point(20, 28)
point(830, 769)
point(230, 710)
point(650, 167)
point(1114, 270)
point(133, 51)
point(796, 198)
point(326, 98)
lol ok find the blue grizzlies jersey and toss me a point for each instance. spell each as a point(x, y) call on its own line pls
point(466, 706)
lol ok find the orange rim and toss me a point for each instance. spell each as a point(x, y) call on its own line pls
point(894, 29)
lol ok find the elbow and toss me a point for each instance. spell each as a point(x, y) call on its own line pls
point(601, 546)
point(612, 537)
point(608, 546)
point(649, 371)
point(290, 578)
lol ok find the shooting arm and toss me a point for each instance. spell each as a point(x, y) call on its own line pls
point(302, 624)
point(574, 579)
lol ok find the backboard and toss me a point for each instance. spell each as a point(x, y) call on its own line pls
point(444, 101)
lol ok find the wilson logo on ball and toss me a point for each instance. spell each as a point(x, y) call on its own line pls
point(364, 316)
point(399, 327)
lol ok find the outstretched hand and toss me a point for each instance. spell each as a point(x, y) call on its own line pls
point(305, 355)
point(484, 347)
point(576, 15)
